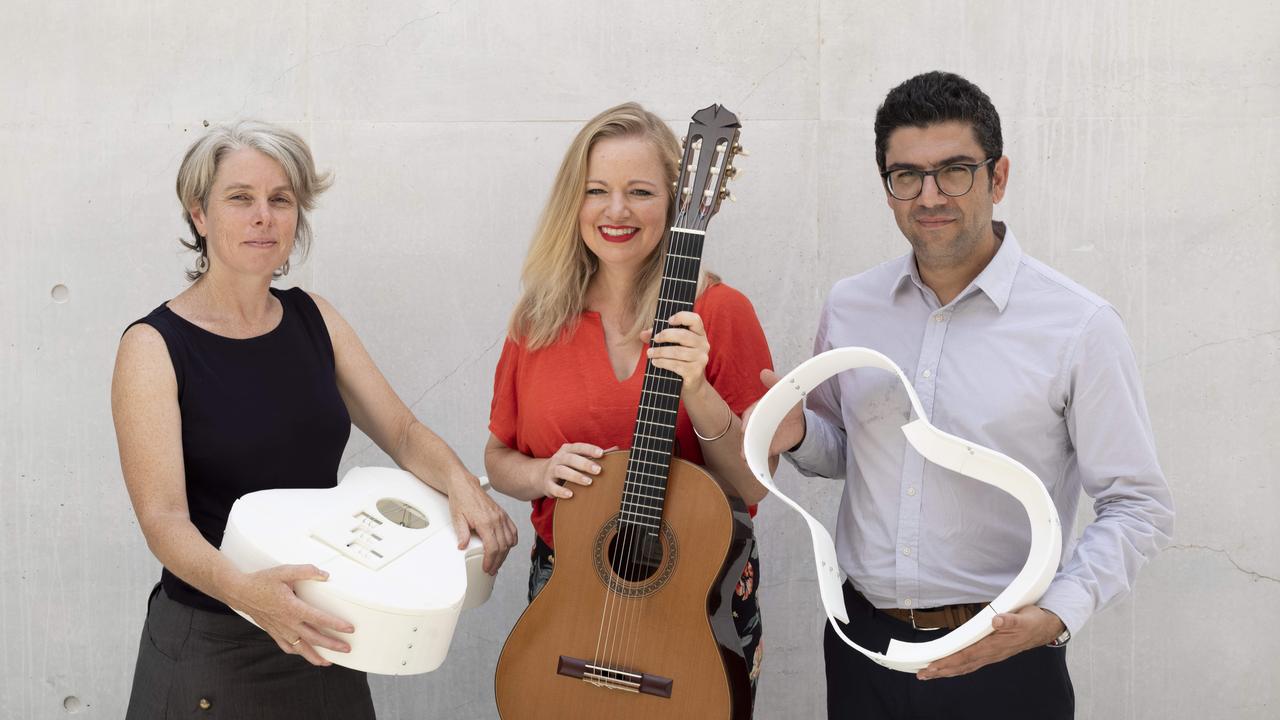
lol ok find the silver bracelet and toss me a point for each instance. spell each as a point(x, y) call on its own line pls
point(723, 432)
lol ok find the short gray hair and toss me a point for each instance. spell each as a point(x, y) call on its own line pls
point(200, 165)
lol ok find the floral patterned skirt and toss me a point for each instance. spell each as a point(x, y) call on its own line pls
point(746, 603)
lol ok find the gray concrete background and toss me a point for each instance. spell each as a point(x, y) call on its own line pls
point(1143, 139)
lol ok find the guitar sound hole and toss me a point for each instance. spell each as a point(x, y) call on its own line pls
point(635, 553)
point(402, 513)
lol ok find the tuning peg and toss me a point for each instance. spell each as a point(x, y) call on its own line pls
point(731, 172)
point(683, 140)
point(674, 183)
point(739, 150)
point(726, 195)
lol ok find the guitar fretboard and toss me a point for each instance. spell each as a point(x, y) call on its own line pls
point(644, 491)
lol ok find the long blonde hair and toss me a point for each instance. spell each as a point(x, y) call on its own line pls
point(559, 266)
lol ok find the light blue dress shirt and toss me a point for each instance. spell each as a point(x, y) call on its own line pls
point(1024, 361)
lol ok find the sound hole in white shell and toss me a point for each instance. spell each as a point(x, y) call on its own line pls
point(402, 513)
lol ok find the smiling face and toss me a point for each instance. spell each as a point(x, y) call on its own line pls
point(251, 215)
point(944, 231)
point(624, 205)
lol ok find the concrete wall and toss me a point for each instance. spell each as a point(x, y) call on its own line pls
point(1143, 138)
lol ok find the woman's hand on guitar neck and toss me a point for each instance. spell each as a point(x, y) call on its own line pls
point(573, 463)
point(267, 596)
point(683, 349)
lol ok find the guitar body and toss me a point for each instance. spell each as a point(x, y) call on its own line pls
point(395, 571)
point(674, 628)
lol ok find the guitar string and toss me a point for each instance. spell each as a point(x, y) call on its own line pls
point(676, 266)
point(617, 626)
point(631, 532)
point(613, 605)
point(680, 247)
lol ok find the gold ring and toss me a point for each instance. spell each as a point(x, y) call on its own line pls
point(295, 642)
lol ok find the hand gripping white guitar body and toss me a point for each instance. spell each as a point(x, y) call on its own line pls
point(395, 571)
point(940, 448)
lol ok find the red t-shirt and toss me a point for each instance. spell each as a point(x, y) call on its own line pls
point(567, 391)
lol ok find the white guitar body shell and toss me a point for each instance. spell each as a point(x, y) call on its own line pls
point(940, 448)
point(401, 587)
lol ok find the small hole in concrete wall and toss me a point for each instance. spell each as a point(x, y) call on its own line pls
point(60, 293)
point(72, 704)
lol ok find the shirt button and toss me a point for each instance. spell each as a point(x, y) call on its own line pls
point(911, 491)
point(939, 317)
point(906, 602)
point(205, 704)
point(906, 551)
point(927, 373)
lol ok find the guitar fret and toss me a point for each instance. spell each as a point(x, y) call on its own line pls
point(660, 377)
point(648, 516)
point(648, 462)
point(652, 437)
point(650, 422)
point(686, 257)
point(641, 472)
point(668, 277)
point(652, 407)
point(658, 392)
point(690, 231)
point(641, 499)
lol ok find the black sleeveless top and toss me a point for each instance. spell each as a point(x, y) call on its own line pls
point(258, 413)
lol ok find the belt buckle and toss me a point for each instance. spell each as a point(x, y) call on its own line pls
point(911, 613)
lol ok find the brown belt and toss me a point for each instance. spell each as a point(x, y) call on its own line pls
point(947, 617)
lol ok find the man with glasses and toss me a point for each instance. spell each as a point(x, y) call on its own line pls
point(1007, 353)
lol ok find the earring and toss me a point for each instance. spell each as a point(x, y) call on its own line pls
point(284, 269)
point(202, 264)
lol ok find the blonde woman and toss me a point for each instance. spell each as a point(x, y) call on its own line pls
point(234, 386)
point(569, 379)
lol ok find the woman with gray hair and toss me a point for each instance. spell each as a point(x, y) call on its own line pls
point(234, 386)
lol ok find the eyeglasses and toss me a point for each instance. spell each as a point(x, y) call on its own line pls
point(953, 180)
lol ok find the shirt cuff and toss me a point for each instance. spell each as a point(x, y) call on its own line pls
point(1072, 603)
point(813, 449)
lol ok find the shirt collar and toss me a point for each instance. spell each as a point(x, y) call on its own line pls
point(996, 279)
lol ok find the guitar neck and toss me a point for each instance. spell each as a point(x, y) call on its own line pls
point(653, 442)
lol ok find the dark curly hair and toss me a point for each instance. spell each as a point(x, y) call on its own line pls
point(937, 97)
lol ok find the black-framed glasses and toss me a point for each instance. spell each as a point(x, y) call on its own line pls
point(953, 180)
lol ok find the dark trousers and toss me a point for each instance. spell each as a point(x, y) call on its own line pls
point(193, 663)
point(1033, 685)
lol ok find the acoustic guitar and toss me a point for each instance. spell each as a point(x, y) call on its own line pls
point(636, 620)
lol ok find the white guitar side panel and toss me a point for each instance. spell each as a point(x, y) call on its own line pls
point(401, 587)
point(940, 448)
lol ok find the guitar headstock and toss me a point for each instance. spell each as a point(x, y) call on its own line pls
point(706, 166)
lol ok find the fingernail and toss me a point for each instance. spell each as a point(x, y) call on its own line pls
point(589, 480)
point(594, 469)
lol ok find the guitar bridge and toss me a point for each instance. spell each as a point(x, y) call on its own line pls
point(613, 678)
